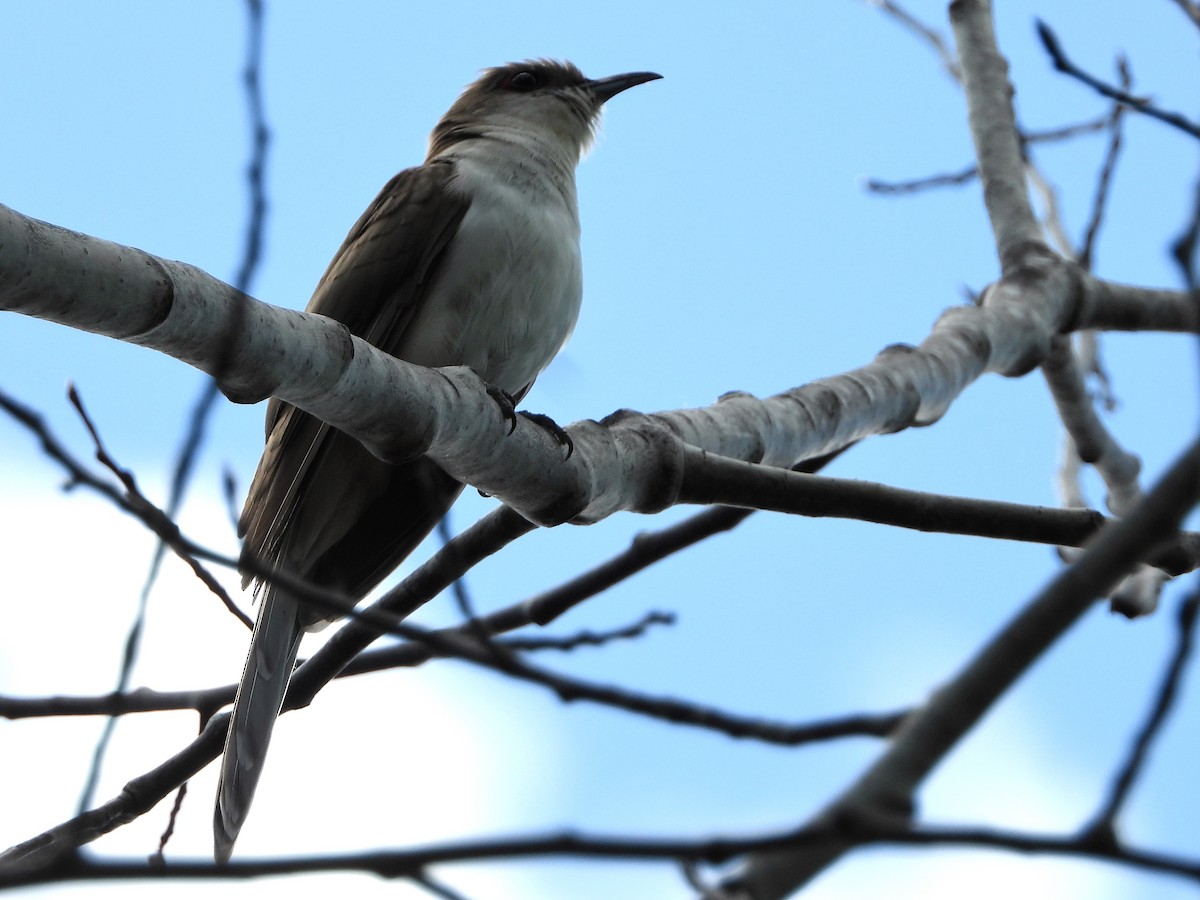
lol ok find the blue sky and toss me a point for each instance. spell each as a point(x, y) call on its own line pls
point(728, 244)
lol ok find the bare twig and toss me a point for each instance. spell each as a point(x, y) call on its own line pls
point(1137, 104)
point(888, 786)
point(715, 479)
point(208, 700)
point(1104, 182)
point(412, 863)
point(425, 880)
point(159, 856)
point(1183, 249)
point(970, 172)
point(915, 185)
point(1103, 827)
point(929, 35)
point(252, 245)
point(592, 638)
point(650, 547)
point(1064, 132)
point(131, 500)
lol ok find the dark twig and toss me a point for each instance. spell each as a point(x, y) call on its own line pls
point(208, 700)
point(462, 643)
point(251, 246)
point(592, 638)
point(1104, 182)
point(889, 784)
point(54, 850)
point(131, 500)
point(862, 831)
point(425, 880)
point(229, 491)
point(709, 478)
point(645, 550)
point(1103, 827)
point(1065, 132)
point(462, 597)
point(1183, 248)
point(651, 547)
point(970, 172)
point(1137, 104)
point(949, 61)
point(159, 856)
point(133, 638)
point(912, 186)
point(201, 413)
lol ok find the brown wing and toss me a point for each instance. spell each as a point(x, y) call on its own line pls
point(320, 504)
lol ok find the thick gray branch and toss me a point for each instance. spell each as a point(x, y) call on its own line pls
point(628, 462)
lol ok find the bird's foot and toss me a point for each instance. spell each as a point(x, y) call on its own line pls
point(504, 400)
point(556, 431)
point(508, 409)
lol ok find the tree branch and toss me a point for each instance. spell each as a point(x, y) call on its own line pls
point(411, 863)
point(888, 786)
point(1137, 104)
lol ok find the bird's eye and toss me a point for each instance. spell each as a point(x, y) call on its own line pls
point(524, 81)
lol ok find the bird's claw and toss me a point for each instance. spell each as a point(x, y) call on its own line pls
point(508, 408)
point(556, 431)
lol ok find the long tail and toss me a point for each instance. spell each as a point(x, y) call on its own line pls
point(265, 679)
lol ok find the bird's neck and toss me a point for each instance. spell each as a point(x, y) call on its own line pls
point(538, 162)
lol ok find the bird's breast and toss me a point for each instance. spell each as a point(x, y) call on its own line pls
point(506, 295)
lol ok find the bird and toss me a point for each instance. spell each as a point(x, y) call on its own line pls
point(469, 259)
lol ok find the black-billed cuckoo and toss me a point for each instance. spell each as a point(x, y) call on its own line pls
point(471, 259)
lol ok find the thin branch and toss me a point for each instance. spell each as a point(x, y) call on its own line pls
point(1104, 182)
point(915, 185)
point(208, 700)
point(714, 479)
point(425, 880)
point(929, 35)
point(1088, 440)
point(252, 245)
point(1064, 132)
point(888, 786)
point(970, 172)
point(645, 549)
point(1183, 250)
point(650, 547)
point(1103, 827)
point(229, 491)
point(159, 856)
point(463, 644)
point(131, 501)
point(573, 642)
point(55, 848)
point(411, 863)
point(1137, 104)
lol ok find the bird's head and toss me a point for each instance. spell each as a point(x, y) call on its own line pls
point(541, 99)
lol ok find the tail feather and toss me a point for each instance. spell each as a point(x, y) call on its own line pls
point(265, 679)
